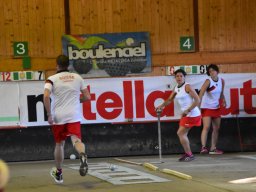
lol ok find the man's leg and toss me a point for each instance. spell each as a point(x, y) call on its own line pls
point(78, 144)
point(80, 148)
point(59, 154)
point(56, 173)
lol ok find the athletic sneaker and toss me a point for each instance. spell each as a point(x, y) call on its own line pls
point(186, 158)
point(56, 175)
point(216, 152)
point(83, 164)
point(204, 150)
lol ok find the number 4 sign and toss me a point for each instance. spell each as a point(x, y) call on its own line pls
point(20, 48)
point(187, 44)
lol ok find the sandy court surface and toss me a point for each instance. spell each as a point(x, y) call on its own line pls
point(210, 173)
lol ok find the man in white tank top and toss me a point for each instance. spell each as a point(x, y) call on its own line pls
point(64, 113)
point(191, 116)
point(212, 97)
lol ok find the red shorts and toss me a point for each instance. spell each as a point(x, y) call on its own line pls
point(214, 113)
point(61, 132)
point(189, 122)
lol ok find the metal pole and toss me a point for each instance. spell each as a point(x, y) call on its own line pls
point(158, 112)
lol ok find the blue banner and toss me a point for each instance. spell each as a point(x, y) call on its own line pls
point(108, 55)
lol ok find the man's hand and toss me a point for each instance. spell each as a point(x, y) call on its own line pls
point(224, 104)
point(185, 113)
point(159, 109)
point(50, 119)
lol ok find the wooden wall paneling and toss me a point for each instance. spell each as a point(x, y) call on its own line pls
point(214, 21)
point(91, 17)
point(245, 34)
point(108, 12)
point(163, 26)
point(38, 49)
point(213, 42)
point(147, 17)
point(62, 29)
point(203, 19)
point(57, 25)
point(227, 25)
point(48, 32)
point(251, 24)
point(84, 16)
point(116, 15)
point(143, 15)
point(169, 9)
point(204, 24)
point(94, 17)
point(207, 19)
point(128, 16)
point(17, 36)
point(73, 17)
point(182, 23)
point(38, 63)
point(222, 38)
point(87, 11)
point(139, 9)
point(234, 21)
point(122, 16)
point(80, 16)
point(101, 16)
point(8, 30)
point(24, 24)
point(155, 27)
point(178, 20)
point(238, 68)
point(41, 38)
point(133, 16)
point(2, 30)
point(187, 15)
point(220, 57)
point(32, 31)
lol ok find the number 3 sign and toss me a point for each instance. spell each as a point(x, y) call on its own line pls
point(20, 48)
point(187, 44)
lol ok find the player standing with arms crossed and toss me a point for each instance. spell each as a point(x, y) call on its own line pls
point(64, 113)
point(212, 98)
point(188, 101)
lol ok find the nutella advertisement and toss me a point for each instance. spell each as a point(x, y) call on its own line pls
point(119, 100)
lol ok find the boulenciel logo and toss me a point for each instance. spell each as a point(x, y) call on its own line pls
point(102, 52)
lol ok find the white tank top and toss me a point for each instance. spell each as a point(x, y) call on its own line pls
point(212, 94)
point(185, 101)
point(66, 89)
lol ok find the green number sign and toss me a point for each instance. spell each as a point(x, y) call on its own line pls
point(20, 48)
point(187, 44)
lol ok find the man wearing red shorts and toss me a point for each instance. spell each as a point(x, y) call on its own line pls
point(211, 94)
point(64, 113)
